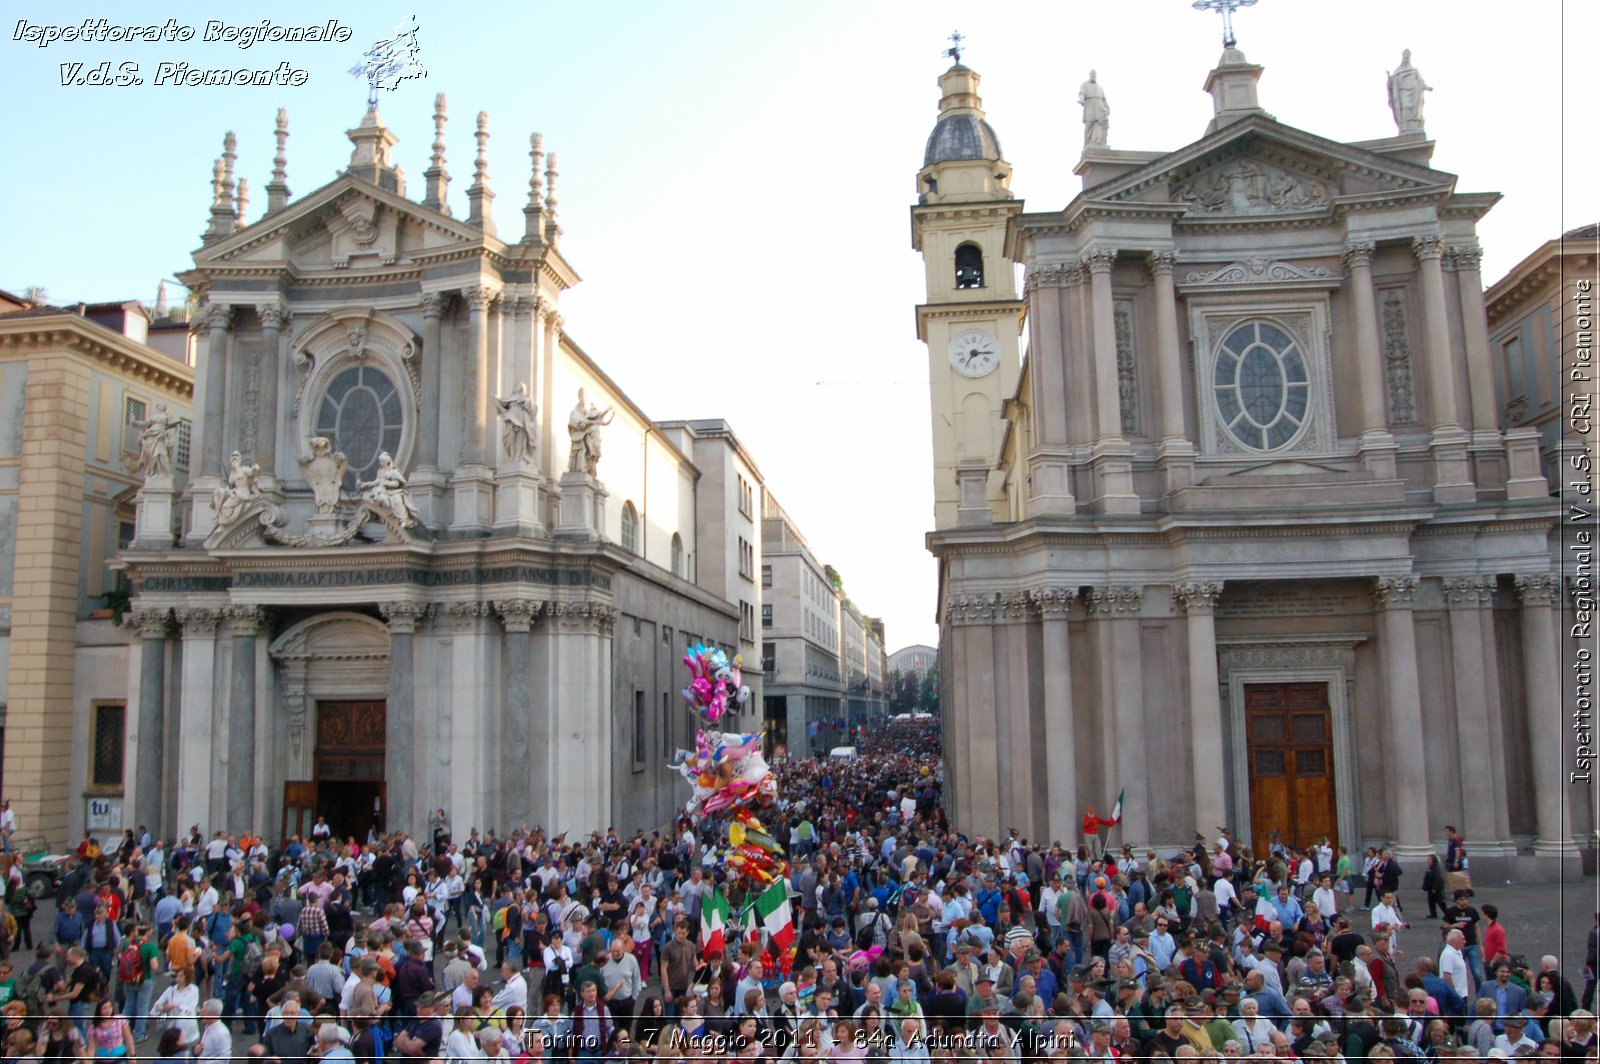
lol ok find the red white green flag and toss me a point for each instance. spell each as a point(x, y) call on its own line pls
point(776, 918)
point(713, 918)
point(1116, 810)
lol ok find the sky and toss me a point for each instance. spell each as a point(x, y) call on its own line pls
point(736, 177)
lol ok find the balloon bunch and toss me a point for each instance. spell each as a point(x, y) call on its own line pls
point(727, 771)
point(714, 681)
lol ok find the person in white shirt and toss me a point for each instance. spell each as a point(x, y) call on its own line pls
point(1387, 912)
point(1327, 904)
point(1226, 895)
point(1453, 964)
point(216, 1043)
point(515, 990)
point(206, 903)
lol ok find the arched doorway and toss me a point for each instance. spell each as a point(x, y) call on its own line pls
point(332, 675)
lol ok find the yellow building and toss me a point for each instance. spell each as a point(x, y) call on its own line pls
point(76, 383)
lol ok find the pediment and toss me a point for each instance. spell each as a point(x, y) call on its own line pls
point(345, 223)
point(1259, 166)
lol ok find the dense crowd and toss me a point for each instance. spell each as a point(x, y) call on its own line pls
point(913, 942)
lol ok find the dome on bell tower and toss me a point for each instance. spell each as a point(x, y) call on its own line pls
point(962, 132)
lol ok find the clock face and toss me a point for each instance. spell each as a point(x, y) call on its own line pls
point(974, 353)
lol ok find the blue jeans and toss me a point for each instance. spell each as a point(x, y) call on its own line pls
point(1474, 963)
point(136, 1002)
point(475, 925)
point(82, 1013)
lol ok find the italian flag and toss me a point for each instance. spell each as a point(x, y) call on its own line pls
point(777, 919)
point(713, 917)
point(1116, 810)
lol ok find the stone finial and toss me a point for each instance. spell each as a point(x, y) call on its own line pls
point(479, 197)
point(436, 179)
point(533, 232)
point(551, 229)
point(241, 200)
point(162, 309)
point(278, 187)
point(221, 223)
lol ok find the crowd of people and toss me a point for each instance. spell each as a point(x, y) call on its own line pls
point(912, 942)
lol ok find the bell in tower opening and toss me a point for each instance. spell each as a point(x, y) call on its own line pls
point(969, 266)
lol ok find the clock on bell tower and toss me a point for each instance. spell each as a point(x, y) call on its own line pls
point(973, 316)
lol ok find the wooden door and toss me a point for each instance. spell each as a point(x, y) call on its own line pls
point(299, 808)
point(1289, 738)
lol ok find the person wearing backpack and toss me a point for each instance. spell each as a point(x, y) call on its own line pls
point(136, 969)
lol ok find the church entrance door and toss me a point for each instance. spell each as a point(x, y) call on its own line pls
point(1289, 733)
point(348, 766)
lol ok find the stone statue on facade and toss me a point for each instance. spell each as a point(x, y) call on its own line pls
point(518, 417)
point(155, 444)
point(231, 499)
point(386, 499)
point(1405, 95)
point(1096, 112)
point(324, 471)
point(583, 425)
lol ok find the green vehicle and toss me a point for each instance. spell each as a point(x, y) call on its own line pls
point(41, 869)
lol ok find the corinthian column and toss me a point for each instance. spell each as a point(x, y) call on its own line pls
point(1176, 450)
point(399, 748)
point(273, 316)
point(428, 417)
point(474, 486)
point(1199, 601)
point(1541, 672)
point(1404, 757)
point(244, 622)
point(219, 320)
point(1060, 723)
point(1475, 331)
point(1480, 753)
point(517, 615)
point(149, 753)
point(196, 721)
point(1452, 479)
point(1122, 722)
point(1112, 457)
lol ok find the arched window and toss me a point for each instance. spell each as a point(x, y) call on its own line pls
point(969, 266)
point(363, 414)
point(630, 528)
point(677, 555)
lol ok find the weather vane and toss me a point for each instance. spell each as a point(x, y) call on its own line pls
point(954, 51)
point(390, 62)
point(1227, 7)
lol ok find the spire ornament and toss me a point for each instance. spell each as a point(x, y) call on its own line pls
point(1225, 8)
point(534, 211)
point(954, 51)
point(278, 187)
point(480, 198)
point(551, 230)
point(436, 179)
point(242, 199)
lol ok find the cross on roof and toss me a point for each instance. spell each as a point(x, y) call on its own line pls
point(955, 39)
point(1227, 8)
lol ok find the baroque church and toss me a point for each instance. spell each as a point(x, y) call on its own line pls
point(1233, 527)
point(430, 555)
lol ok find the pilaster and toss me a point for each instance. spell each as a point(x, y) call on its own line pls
point(148, 750)
point(1483, 817)
point(1547, 735)
point(196, 781)
point(273, 318)
point(1404, 758)
point(1112, 458)
point(1198, 601)
point(427, 482)
point(969, 623)
point(473, 483)
point(1176, 452)
point(1115, 611)
point(581, 716)
point(238, 746)
point(516, 778)
point(1377, 447)
point(400, 747)
point(1448, 442)
point(212, 389)
point(1054, 605)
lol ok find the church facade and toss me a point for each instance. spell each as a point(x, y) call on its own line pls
point(1235, 527)
point(430, 555)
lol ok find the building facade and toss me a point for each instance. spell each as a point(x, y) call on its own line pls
point(1239, 532)
point(431, 554)
point(77, 386)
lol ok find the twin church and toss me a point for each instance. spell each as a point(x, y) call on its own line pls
point(1226, 515)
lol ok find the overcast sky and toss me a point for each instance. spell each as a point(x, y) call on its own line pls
point(736, 177)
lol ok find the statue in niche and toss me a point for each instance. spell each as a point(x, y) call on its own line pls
point(232, 499)
point(1096, 112)
point(324, 471)
point(155, 444)
point(583, 425)
point(518, 417)
point(1405, 95)
point(386, 498)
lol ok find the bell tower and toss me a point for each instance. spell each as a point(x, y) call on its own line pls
point(973, 315)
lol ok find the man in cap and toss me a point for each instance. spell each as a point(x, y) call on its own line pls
point(986, 997)
point(1095, 997)
point(1149, 1015)
point(1099, 1048)
point(421, 1036)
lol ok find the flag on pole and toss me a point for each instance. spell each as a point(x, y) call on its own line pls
point(713, 917)
point(1116, 810)
point(777, 919)
point(752, 929)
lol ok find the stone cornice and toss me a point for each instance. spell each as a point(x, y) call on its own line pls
point(23, 335)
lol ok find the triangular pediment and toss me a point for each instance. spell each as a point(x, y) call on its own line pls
point(1259, 166)
point(346, 223)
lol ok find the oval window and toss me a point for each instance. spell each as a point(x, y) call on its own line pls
point(1261, 386)
point(362, 414)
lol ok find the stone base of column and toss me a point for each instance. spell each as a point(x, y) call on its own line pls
point(427, 487)
point(1112, 461)
point(472, 490)
point(1377, 451)
point(1176, 457)
point(1050, 487)
point(202, 518)
point(1452, 473)
point(972, 493)
point(1414, 851)
point(518, 510)
point(583, 507)
point(1524, 473)
point(154, 510)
